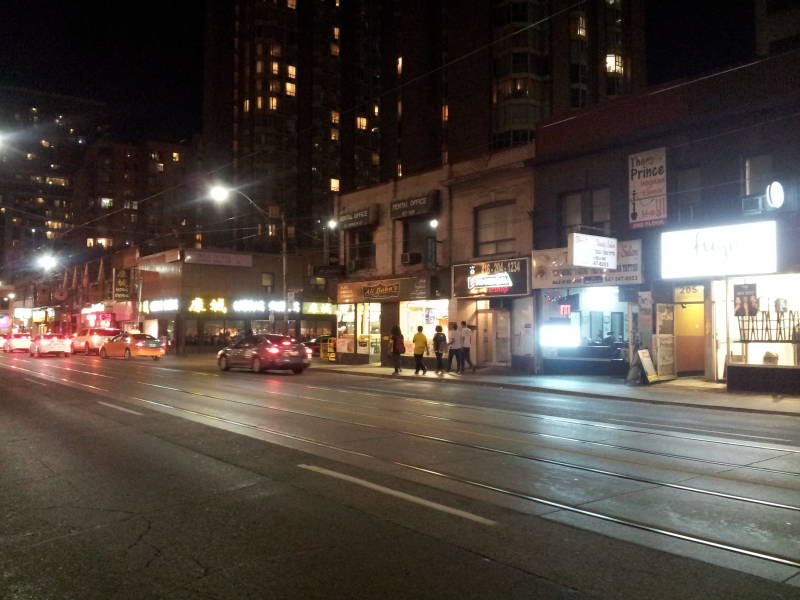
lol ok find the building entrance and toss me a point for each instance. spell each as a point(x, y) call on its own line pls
point(494, 338)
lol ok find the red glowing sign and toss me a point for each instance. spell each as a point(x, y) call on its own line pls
point(565, 309)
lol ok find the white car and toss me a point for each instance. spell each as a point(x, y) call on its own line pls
point(91, 340)
point(50, 343)
point(17, 342)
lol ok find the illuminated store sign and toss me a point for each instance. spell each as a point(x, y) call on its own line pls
point(249, 306)
point(552, 268)
point(278, 306)
point(94, 308)
point(318, 308)
point(165, 305)
point(215, 305)
point(745, 249)
point(509, 277)
point(592, 251)
point(23, 313)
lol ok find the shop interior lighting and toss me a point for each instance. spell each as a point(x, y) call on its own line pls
point(559, 336)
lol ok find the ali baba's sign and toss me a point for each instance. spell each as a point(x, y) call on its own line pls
point(411, 288)
point(508, 277)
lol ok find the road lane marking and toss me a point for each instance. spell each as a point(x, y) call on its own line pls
point(401, 495)
point(127, 410)
point(36, 382)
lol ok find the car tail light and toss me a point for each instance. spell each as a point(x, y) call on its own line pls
point(309, 351)
point(286, 343)
point(273, 350)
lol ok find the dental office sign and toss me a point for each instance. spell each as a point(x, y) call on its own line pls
point(647, 188)
point(553, 269)
point(744, 249)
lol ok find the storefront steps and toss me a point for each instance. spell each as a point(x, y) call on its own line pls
point(691, 392)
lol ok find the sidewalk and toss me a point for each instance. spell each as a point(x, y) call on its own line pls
point(689, 391)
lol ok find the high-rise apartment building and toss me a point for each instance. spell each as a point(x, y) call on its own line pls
point(307, 98)
point(777, 26)
point(43, 138)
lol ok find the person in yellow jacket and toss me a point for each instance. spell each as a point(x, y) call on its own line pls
point(420, 348)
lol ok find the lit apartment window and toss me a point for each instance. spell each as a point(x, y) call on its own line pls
point(246, 106)
point(577, 25)
point(376, 109)
point(176, 157)
point(40, 200)
point(89, 242)
point(399, 169)
point(275, 86)
point(335, 117)
point(160, 167)
point(61, 181)
point(337, 3)
point(336, 33)
point(30, 156)
point(291, 3)
point(291, 89)
point(614, 63)
point(272, 230)
point(259, 66)
point(361, 122)
point(445, 157)
point(291, 71)
point(274, 49)
point(260, 102)
point(334, 49)
point(104, 242)
point(276, 67)
point(376, 159)
point(49, 235)
point(198, 237)
point(45, 143)
point(445, 113)
point(399, 65)
point(334, 134)
point(334, 185)
point(273, 103)
point(55, 166)
point(106, 202)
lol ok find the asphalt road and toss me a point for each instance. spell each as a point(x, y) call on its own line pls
point(171, 479)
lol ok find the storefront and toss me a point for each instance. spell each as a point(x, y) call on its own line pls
point(367, 311)
point(731, 310)
point(587, 317)
point(317, 319)
point(494, 299)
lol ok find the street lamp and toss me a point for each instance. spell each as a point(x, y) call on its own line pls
point(332, 224)
point(221, 193)
point(47, 262)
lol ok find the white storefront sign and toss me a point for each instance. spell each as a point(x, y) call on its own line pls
point(551, 268)
point(647, 188)
point(592, 251)
point(249, 306)
point(744, 249)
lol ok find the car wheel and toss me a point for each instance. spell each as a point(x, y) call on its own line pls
point(156, 358)
point(103, 353)
point(87, 349)
point(256, 365)
point(127, 354)
point(297, 370)
point(223, 363)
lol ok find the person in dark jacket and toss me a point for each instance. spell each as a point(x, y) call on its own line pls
point(396, 348)
point(439, 348)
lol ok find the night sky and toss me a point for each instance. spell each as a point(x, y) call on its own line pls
point(147, 62)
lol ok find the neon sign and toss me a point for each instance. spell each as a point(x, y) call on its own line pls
point(249, 306)
point(489, 280)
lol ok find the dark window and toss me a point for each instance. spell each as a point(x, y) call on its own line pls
point(519, 11)
point(688, 194)
point(360, 249)
point(785, 44)
point(494, 229)
point(774, 6)
point(757, 174)
point(577, 97)
point(415, 235)
point(587, 211)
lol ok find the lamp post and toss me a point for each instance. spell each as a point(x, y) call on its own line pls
point(221, 193)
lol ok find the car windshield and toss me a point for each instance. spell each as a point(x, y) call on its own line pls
point(142, 336)
point(277, 339)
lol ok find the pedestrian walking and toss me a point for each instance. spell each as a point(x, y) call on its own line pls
point(466, 344)
point(455, 349)
point(420, 346)
point(439, 347)
point(397, 346)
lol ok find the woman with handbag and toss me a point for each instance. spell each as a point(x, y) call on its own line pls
point(397, 346)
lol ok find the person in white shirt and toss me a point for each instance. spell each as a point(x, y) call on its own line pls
point(455, 349)
point(465, 333)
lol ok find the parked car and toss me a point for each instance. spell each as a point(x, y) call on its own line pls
point(50, 343)
point(129, 345)
point(90, 340)
point(17, 342)
point(315, 343)
point(265, 352)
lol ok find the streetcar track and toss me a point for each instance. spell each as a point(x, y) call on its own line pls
point(775, 558)
point(577, 509)
point(492, 450)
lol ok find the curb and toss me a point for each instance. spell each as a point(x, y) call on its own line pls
point(529, 388)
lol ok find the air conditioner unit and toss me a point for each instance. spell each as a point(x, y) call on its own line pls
point(752, 205)
point(410, 258)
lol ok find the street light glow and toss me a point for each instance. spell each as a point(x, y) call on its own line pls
point(47, 262)
point(11, 295)
point(434, 223)
point(332, 224)
point(219, 193)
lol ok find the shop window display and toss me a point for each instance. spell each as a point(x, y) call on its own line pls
point(425, 313)
point(345, 327)
point(369, 328)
